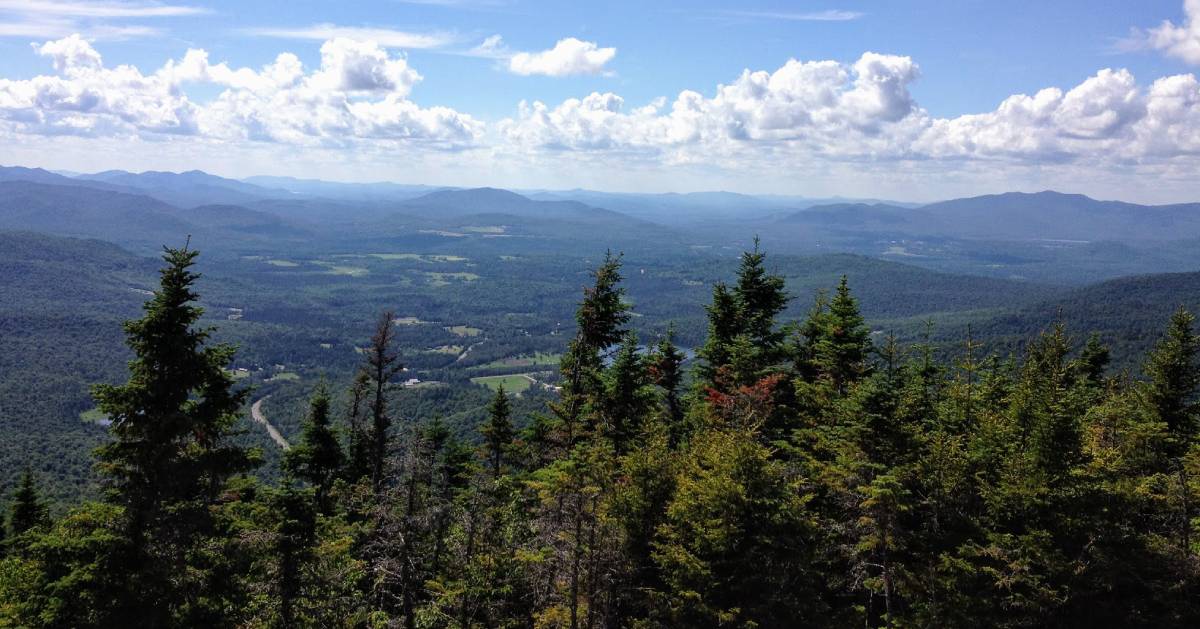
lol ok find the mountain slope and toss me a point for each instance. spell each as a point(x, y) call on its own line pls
point(42, 176)
point(1042, 216)
point(187, 189)
point(62, 301)
point(447, 203)
point(135, 219)
point(380, 191)
point(80, 211)
point(1054, 215)
point(855, 216)
point(1129, 313)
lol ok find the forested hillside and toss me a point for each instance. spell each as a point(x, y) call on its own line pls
point(468, 316)
point(803, 473)
point(1124, 313)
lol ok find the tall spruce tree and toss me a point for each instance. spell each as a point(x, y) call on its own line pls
point(295, 535)
point(498, 432)
point(743, 341)
point(626, 399)
point(600, 319)
point(317, 458)
point(723, 328)
point(358, 432)
point(383, 364)
point(28, 511)
point(666, 371)
point(761, 297)
point(846, 343)
point(1174, 373)
point(1094, 360)
point(171, 452)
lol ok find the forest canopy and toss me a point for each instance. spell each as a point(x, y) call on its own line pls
point(802, 473)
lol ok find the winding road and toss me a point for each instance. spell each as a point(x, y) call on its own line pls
point(257, 414)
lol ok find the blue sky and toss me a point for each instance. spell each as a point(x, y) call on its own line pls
point(957, 98)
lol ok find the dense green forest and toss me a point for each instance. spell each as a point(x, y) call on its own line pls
point(802, 471)
point(463, 313)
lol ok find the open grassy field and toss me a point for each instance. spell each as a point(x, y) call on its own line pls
point(93, 415)
point(463, 330)
point(537, 360)
point(443, 279)
point(416, 257)
point(515, 383)
point(352, 271)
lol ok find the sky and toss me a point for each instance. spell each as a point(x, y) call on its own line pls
point(908, 100)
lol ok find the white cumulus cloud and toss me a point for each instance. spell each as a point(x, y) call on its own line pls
point(1181, 41)
point(358, 93)
point(823, 104)
point(570, 56)
point(824, 111)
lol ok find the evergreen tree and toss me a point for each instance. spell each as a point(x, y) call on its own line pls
point(733, 547)
point(498, 432)
point(383, 363)
point(600, 318)
point(806, 338)
point(170, 455)
point(407, 548)
point(68, 574)
point(760, 298)
point(358, 432)
point(295, 536)
point(884, 488)
point(1174, 374)
point(744, 342)
point(723, 327)
point(843, 349)
point(1094, 360)
point(317, 458)
point(666, 371)
point(27, 511)
point(626, 399)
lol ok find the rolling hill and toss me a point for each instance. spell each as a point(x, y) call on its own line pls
point(187, 189)
point(1128, 313)
point(1041, 216)
point(135, 220)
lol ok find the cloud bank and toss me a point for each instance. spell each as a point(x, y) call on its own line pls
point(359, 92)
point(864, 112)
point(857, 121)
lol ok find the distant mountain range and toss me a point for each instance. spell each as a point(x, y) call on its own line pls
point(1004, 235)
point(1013, 216)
point(151, 208)
point(379, 191)
point(1010, 216)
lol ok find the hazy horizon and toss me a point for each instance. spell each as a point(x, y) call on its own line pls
point(249, 178)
